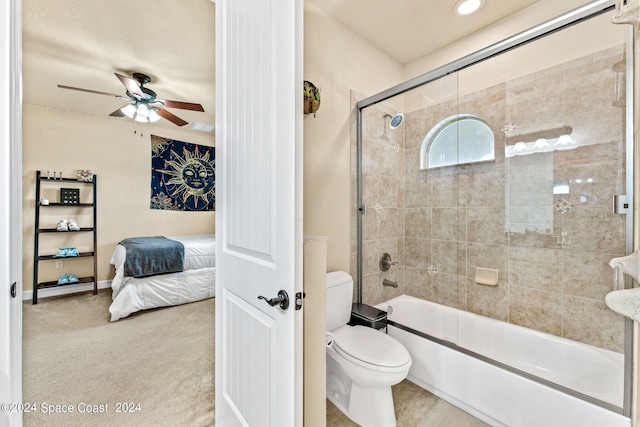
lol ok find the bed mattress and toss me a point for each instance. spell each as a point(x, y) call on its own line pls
point(195, 283)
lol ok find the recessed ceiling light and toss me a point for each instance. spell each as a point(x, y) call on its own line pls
point(467, 7)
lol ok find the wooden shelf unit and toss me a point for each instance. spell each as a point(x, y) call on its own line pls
point(37, 258)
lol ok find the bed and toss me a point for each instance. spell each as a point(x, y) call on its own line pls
point(195, 282)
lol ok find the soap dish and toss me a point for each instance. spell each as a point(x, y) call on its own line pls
point(486, 276)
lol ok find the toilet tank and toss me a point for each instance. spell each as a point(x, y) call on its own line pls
point(339, 298)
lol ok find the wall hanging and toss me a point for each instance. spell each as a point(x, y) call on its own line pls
point(182, 175)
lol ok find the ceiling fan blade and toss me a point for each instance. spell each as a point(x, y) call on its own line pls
point(182, 105)
point(89, 90)
point(132, 86)
point(117, 113)
point(171, 117)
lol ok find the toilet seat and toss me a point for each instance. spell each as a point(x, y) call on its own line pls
point(370, 348)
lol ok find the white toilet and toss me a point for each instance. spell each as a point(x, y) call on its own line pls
point(362, 363)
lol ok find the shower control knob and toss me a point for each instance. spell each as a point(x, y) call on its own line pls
point(385, 262)
point(282, 299)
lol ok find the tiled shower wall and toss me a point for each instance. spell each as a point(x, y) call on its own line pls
point(440, 224)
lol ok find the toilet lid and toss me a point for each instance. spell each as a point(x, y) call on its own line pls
point(370, 346)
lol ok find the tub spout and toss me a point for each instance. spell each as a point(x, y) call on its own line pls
point(387, 282)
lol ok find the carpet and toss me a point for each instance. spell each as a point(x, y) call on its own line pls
point(153, 368)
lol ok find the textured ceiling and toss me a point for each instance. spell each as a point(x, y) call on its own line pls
point(82, 43)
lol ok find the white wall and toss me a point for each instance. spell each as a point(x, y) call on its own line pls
point(337, 61)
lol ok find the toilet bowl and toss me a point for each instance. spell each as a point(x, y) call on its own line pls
point(362, 363)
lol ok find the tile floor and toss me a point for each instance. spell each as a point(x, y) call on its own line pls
point(414, 407)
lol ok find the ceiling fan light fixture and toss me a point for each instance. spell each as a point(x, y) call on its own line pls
point(129, 110)
point(143, 105)
point(141, 113)
point(153, 115)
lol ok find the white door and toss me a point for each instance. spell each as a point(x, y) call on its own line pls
point(258, 212)
point(10, 215)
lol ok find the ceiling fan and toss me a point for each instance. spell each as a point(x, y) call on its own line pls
point(143, 105)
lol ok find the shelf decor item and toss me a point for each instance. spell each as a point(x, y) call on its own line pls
point(85, 175)
point(69, 196)
point(311, 98)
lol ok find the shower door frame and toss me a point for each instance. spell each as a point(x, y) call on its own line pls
point(573, 17)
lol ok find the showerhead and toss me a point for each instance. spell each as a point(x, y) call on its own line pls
point(395, 120)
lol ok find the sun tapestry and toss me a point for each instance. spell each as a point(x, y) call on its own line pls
point(183, 175)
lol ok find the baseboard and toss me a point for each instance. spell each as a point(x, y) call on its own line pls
point(64, 290)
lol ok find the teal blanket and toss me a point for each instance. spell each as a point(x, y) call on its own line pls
point(148, 256)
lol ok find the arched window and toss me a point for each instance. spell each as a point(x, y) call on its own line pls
point(456, 140)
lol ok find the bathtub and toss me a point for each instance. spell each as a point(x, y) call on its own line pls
point(468, 360)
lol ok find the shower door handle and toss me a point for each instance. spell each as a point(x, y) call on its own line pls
point(617, 277)
point(620, 204)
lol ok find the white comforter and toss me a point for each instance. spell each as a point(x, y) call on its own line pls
point(195, 283)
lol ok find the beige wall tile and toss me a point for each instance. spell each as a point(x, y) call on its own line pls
point(444, 256)
point(370, 223)
point(448, 189)
point(418, 283)
point(486, 225)
point(389, 221)
point(535, 268)
point(417, 252)
point(586, 274)
point(417, 125)
point(418, 222)
point(490, 301)
point(450, 290)
point(412, 164)
point(417, 193)
point(445, 224)
point(487, 256)
point(370, 257)
point(580, 223)
point(372, 289)
point(486, 187)
point(596, 127)
point(593, 181)
point(536, 309)
point(591, 322)
point(388, 188)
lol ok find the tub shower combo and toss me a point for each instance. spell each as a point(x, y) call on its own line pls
point(485, 222)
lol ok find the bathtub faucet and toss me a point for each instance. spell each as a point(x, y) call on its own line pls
point(387, 282)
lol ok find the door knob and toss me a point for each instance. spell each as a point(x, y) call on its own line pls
point(282, 299)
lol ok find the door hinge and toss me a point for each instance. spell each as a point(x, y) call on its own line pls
point(299, 297)
point(620, 204)
point(13, 290)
